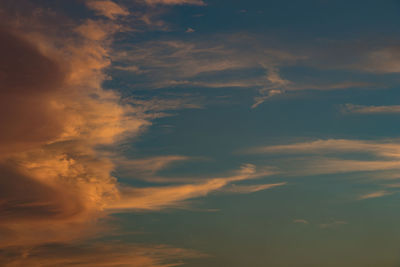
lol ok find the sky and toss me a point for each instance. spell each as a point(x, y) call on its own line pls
point(157, 133)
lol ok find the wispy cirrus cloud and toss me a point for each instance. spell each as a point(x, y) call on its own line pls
point(225, 62)
point(377, 194)
point(385, 149)
point(384, 59)
point(156, 198)
point(191, 62)
point(245, 189)
point(327, 225)
point(107, 8)
point(146, 168)
point(300, 221)
point(360, 109)
point(176, 2)
point(335, 156)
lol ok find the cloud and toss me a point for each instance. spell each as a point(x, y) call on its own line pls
point(175, 2)
point(107, 8)
point(376, 194)
point(384, 149)
point(245, 189)
point(57, 151)
point(276, 87)
point(161, 106)
point(393, 185)
point(111, 254)
point(26, 87)
point(156, 198)
point(333, 165)
point(146, 168)
point(301, 221)
point(54, 177)
point(334, 156)
point(360, 109)
point(24, 199)
point(220, 63)
point(234, 60)
point(381, 60)
point(133, 69)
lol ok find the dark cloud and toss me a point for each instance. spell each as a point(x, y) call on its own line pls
point(27, 79)
point(23, 198)
point(24, 69)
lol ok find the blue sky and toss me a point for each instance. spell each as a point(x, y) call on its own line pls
point(199, 133)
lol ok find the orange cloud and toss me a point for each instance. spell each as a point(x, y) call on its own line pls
point(56, 114)
point(98, 254)
point(107, 8)
point(245, 189)
point(55, 163)
point(156, 198)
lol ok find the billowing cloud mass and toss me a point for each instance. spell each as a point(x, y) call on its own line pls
point(52, 174)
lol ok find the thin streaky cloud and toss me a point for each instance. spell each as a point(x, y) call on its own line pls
point(313, 166)
point(176, 2)
point(157, 198)
point(300, 221)
point(376, 194)
point(390, 149)
point(245, 189)
point(392, 185)
point(145, 168)
point(360, 109)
